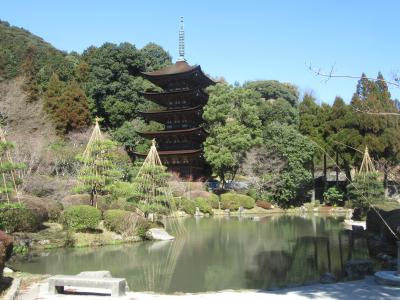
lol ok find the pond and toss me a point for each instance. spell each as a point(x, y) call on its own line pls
point(216, 254)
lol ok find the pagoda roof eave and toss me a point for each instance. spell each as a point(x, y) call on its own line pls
point(171, 93)
point(173, 152)
point(179, 69)
point(171, 111)
point(153, 134)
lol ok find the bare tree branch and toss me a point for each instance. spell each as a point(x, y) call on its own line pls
point(319, 72)
point(369, 112)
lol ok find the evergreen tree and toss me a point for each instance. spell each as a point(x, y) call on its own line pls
point(9, 180)
point(52, 96)
point(342, 134)
point(225, 148)
point(29, 71)
point(365, 190)
point(273, 90)
point(72, 111)
point(379, 132)
point(232, 121)
point(99, 173)
point(297, 153)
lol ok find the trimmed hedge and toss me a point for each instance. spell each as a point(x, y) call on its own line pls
point(188, 206)
point(81, 217)
point(16, 217)
point(6, 248)
point(115, 220)
point(204, 205)
point(233, 201)
point(214, 201)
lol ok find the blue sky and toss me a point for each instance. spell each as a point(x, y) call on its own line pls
point(238, 40)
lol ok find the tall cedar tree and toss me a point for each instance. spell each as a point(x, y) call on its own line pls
point(52, 97)
point(381, 133)
point(72, 112)
point(29, 71)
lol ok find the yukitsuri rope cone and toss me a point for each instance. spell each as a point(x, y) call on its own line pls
point(7, 160)
point(89, 174)
point(153, 186)
point(98, 173)
point(152, 183)
point(366, 165)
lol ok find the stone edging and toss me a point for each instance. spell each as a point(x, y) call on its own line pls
point(12, 292)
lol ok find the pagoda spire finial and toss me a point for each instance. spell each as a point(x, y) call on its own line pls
point(181, 42)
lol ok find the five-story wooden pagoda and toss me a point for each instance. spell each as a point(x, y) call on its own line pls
point(183, 97)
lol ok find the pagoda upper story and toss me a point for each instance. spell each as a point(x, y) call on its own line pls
point(178, 77)
point(183, 97)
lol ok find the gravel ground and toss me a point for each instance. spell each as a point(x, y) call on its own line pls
point(365, 289)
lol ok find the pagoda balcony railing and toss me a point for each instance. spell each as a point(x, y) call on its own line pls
point(178, 146)
point(179, 126)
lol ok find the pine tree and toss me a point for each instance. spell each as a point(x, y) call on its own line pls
point(9, 179)
point(151, 185)
point(99, 173)
point(72, 110)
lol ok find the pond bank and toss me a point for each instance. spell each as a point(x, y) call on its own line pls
point(53, 235)
point(365, 289)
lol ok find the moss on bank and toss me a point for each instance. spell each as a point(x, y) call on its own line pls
point(54, 236)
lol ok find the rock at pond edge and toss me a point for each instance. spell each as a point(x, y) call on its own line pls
point(158, 234)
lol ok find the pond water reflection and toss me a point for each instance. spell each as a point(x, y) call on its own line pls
point(216, 254)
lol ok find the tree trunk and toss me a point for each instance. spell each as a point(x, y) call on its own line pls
point(347, 171)
point(325, 173)
point(313, 180)
point(337, 168)
point(385, 180)
point(92, 197)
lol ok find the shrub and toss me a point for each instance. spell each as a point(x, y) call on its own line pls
point(155, 208)
point(81, 217)
point(142, 227)
point(252, 192)
point(264, 204)
point(233, 201)
point(211, 198)
point(333, 196)
point(54, 211)
point(16, 217)
point(106, 203)
point(186, 205)
point(365, 189)
point(204, 205)
point(115, 220)
point(214, 201)
point(6, 249)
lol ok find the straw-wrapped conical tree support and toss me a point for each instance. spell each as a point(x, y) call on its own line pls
point(152, 187)
point(367, 165)
point(9, 180)
point(98, 173)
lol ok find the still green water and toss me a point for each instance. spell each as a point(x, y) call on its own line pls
point(216, 254)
